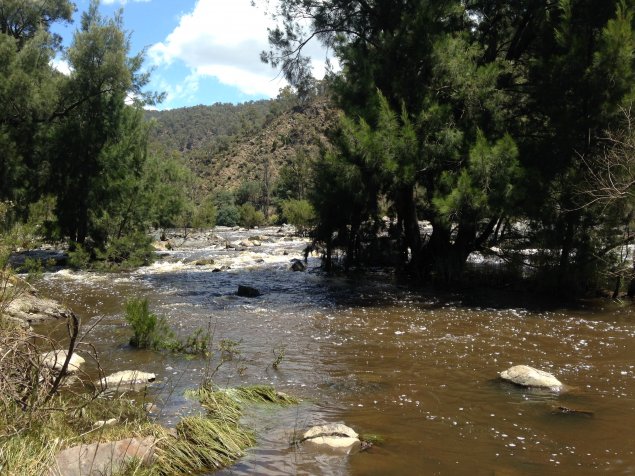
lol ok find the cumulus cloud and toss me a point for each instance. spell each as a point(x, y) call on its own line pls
point(61, 65)
point(223, 39)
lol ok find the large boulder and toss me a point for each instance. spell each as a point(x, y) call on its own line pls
point(55, 359)
point(127, 380)
point(527, 376)
point(27, 306)
point(333, 435)
point(103, 458)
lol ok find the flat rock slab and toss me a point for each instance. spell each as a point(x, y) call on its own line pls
point(102, 459)
point(527, 376)
point(29, 307)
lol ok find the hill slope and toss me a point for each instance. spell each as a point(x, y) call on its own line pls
point(226, 145)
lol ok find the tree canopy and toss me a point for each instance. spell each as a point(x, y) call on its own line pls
point(470, 115)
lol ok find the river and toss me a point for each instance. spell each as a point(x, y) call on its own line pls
point(418, 368)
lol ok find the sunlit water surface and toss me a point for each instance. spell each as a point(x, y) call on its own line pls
point(416, 368)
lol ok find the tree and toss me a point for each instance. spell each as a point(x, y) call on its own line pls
point(29, 88)
point(23, 19)
point(454, 110)
point(100, 137)
point(299, 213)
point(426, 97)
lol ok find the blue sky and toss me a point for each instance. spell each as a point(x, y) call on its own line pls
point(202, 51)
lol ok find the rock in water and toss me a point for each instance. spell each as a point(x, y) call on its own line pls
point(530, 377)
point(127, 379)
point(334, 435)
point(297, 265)
point(27, 306)
point(247, 291)
point(55, 359)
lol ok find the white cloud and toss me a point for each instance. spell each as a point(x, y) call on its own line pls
point(223, 39)
point(61, 65)
point(186, 91)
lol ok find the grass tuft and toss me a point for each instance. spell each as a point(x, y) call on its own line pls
point(202, 444)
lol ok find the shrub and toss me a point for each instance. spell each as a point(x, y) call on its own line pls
point(250, 217)
point(128, 251)
point(299, 213)
point(228, 215)
point(205, 215)
point(79, 257)
point(150, 331)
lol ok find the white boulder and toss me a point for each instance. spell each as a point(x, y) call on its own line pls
point(55, 359)
point(527, 376)
point(127, 379)
point(334, 435)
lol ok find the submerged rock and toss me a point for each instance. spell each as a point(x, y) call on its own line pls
point(103, 458)
point(297, 265)
point(247, 291)
point(527, 376)
point(561, 410)
point(127, 379)
point(204, 262)
point(55, 359)
point(333, 435)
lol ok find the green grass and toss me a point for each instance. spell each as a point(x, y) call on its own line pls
point(216, 439)
point(202, 443)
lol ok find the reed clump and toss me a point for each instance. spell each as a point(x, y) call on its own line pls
point(216, 439)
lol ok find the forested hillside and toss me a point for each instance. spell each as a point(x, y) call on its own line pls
point(227, 144)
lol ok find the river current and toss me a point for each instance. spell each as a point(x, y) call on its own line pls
point(417, 368)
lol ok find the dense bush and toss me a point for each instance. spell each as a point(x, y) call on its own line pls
point(228, 215)
point(250, 217)
point(299, 213)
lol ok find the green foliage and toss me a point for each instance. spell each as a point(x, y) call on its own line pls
point(250, 217)
point(228, 215)
point(166, 189)
point(206, 214)
point(299, 213)
point(153, 332)
point(79, 257)
point(129, 251)
point(249, 192)
point(295, 178)
point(150, 331)
point(454, 113)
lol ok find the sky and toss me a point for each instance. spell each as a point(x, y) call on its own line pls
point(201, 51)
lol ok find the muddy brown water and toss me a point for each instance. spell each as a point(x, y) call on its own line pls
point(416, 368)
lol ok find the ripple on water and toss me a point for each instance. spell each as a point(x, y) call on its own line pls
point(418, 369)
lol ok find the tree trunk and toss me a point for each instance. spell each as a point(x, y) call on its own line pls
point(407, 210)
